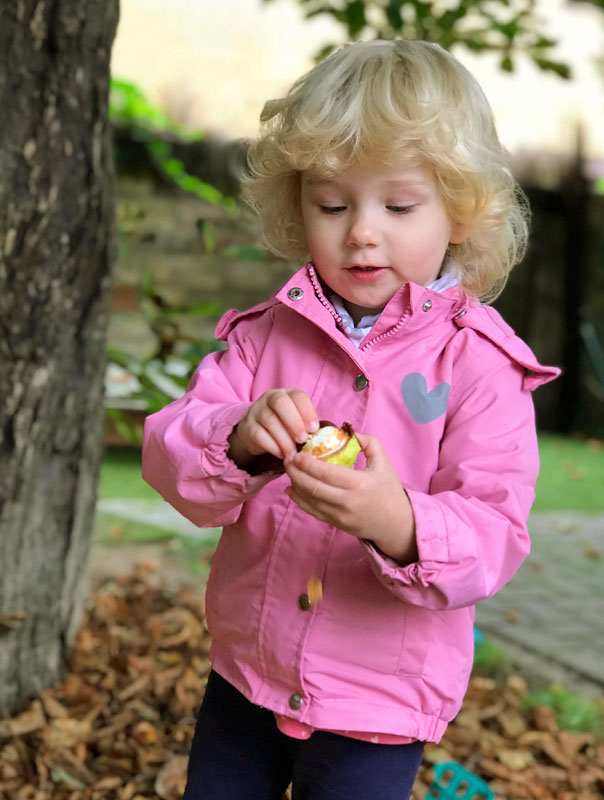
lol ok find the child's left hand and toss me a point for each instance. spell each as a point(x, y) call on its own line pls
point(369, 504)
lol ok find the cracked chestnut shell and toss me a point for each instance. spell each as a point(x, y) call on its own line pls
point(336, 445)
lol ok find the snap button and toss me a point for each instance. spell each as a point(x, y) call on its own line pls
point(295, 702)
point(427, 305)
point(304, 602)
point(295, 293)
point(361, 382)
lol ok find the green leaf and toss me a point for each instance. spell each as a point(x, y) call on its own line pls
point(563, 70)
point(173, 167)
point(159, 149)
point(478, 25)
point(393, 13)
point(355, 16)
point(325, 51)
point(506, 64)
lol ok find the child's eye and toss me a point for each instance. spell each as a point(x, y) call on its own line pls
point(400, 209)
point(332, 209)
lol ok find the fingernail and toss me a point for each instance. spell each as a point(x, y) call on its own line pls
point(314, 426)
point(301, 437)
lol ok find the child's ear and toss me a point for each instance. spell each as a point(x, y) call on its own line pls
point(459, 232)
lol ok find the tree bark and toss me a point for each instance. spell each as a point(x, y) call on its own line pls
point(57, 244)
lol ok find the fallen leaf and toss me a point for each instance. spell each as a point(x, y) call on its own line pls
point(146, 733)
point(65, 734)
point(544, 718)
point(571, 742)
point(172, 777)
point(512, 723)
point(516, 759)
point(29, 721)
point(436, 755)
point(517, 684)
point(314, 590)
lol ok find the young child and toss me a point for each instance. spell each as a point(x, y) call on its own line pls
point(383, 170)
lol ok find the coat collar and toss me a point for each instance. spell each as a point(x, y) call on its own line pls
point(413, 306)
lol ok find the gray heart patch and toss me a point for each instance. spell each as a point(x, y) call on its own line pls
point(424, 406)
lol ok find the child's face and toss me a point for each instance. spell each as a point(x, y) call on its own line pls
point(372, 228)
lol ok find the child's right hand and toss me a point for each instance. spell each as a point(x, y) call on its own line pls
point(274, 423)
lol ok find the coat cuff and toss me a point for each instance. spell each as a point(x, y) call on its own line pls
point(432, 546)
point(215, 462)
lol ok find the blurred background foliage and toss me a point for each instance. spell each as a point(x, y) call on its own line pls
point(506, 28)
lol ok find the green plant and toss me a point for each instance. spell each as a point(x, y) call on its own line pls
point(573, 713)
point(490, 660)
point(149, 383)
point(129, 107)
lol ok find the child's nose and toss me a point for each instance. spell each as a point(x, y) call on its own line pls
point(363, 231)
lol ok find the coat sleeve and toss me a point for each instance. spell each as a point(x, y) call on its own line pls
point(471, 526)
point(185, 444)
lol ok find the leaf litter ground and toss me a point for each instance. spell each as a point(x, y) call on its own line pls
point(120, 726)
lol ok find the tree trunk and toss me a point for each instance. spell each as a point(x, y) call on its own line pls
point(57, 245)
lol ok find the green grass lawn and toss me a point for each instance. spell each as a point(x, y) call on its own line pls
point(121, 476)
point(571, 476)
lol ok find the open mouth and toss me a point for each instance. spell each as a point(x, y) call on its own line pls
point(366, 273)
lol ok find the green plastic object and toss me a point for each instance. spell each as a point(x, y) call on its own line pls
point(454, 782)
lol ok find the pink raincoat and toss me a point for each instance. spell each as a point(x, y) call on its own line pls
point(446, 386)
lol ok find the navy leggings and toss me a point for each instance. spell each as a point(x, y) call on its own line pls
point(238, 753)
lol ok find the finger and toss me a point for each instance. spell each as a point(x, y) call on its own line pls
point(258, 435)
point(310, 488)
point(275, 428)
point(373, 450)
point(306, 410)
point(334, 475)
point(264, 442)
point(305, 505)
point(331, 502)
point(283, 406)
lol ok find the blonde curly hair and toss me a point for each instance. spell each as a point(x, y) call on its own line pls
point(387, 101)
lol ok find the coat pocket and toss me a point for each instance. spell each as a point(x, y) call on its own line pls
point(416, 641)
